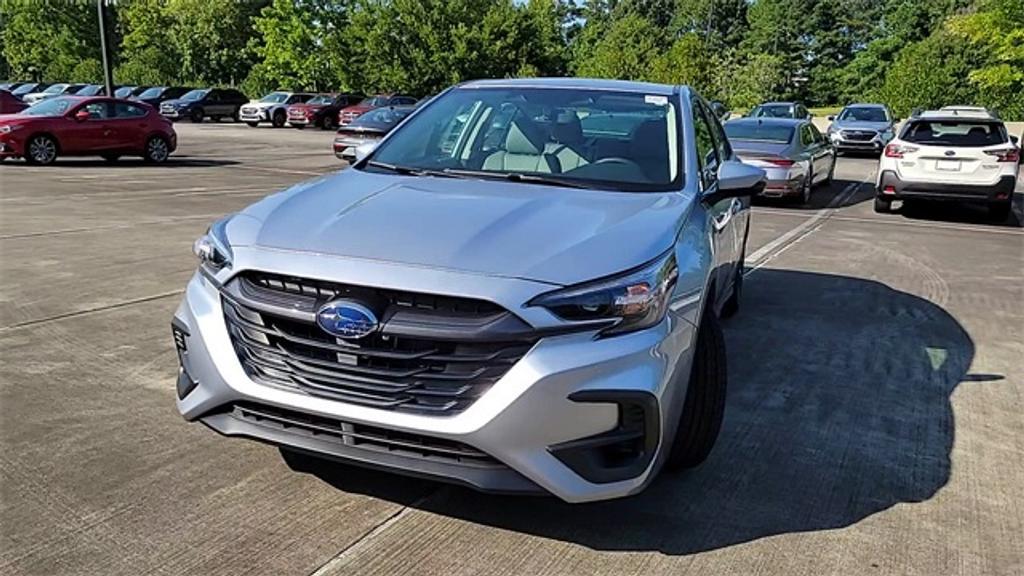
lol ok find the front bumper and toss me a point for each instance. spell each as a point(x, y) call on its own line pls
point(10, 146)
point(524, 426)
point(891, 187)
point(252, 115)
point(846, 144)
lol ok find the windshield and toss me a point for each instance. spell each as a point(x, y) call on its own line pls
point(321, 100)
point(773, 111)
point(55, 89)
point(124, 92)
point(758, 131)
point(51, 107)
point(275, 97)
point(194, 95)
point(383, 115)
point(864, 114)
point(153, 92)
point(91, 90)
point(24, 89)
point(955, 133)
point(375, 101)
point(571, 137)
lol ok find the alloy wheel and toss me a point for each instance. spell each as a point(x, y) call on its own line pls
point(156, 150)
point(42, 150)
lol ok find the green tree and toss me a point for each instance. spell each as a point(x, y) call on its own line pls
point(148, 57)
point(930, 74)
point(211, 39)
point(996, 30)
point(626, 50)
point(48, 40)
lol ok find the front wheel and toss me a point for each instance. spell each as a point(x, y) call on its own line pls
point(279, 119)
point(805, 191)
point(704, 406)
point(42, 150)
point(196, 116)
point(157, 150)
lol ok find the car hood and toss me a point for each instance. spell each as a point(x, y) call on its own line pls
point(261, 105)
point(542, 233)
point(9, 119)
point(357, 108)
point(859, 125)
point(307, 106)
point(177, 102)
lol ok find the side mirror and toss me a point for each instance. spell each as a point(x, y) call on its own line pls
point(1015, 140)
point(364, 150)
point(82, 116)
point(736, 180)
point(831, 117)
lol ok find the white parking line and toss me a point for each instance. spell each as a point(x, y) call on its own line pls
point(765, 253)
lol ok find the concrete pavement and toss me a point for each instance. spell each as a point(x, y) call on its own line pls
point(873, 423)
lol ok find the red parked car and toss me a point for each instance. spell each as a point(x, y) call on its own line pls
point(321, 110)
point(92, 126)
point(10, 104)
point(349, 114)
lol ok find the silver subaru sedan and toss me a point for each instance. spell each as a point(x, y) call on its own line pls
point(517, 290)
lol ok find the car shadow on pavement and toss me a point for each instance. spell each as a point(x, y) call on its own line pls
point(136, 163)
point(961, 213)
point(839, 408)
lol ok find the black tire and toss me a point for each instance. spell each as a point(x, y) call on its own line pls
point(234, 116)
point(327, 123)
point(111, 157)
point(831, 172)
point(41, 150)
point(157, 150)
point(882, 206)
point(253, 124)
point(196, 116)
point(1000, 211)
point(805, 192)
point(279, 119)
point(704, 406)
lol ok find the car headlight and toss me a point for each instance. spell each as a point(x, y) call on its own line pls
point(887, 134)
point(8, 129)
point(212, 248)
point(632, 301)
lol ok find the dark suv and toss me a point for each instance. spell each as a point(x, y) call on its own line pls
point(321, 111)
point(199, 104)
point(155, 95)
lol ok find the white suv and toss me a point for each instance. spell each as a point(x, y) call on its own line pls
point(271, 108)
point(961, 155)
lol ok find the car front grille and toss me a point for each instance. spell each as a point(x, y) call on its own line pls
point(364, 437)
point(432, 354)
point(247, 110)
point(859, 135)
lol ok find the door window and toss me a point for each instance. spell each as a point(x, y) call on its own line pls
point(818, 137)
point(126, 110)
point(97, 110)
point(707, 154)
point(806, 137)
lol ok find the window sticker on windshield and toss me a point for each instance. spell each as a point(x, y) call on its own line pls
point(656, 100)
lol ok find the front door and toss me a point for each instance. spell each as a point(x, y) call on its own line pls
point(92, 135)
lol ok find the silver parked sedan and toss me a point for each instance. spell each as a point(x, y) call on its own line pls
point(794, 154)
point(518, 290)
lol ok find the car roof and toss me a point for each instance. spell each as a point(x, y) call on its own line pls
point(956, 114)
point(865, 105)
point(577, 83)
point(768, 121)
point(778, 103)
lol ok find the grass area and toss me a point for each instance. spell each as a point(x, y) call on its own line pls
point(825, 111)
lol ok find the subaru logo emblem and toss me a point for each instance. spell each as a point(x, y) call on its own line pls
point(346, 319)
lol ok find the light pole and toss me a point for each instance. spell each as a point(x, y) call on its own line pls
point(108, 75)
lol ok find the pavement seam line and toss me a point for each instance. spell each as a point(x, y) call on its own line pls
point(335, 560)
point(97, 309)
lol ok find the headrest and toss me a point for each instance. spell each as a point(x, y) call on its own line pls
point(524, 137)
point(567, 129)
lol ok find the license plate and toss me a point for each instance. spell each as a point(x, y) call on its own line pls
point(947, 165)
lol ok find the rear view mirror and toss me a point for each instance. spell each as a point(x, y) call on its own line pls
point(736, 180)
point(82, 115)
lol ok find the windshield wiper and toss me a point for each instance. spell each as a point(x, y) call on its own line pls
point(516, 177)
point(409, 171)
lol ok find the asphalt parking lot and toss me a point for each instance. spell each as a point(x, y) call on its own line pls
point(874, 422)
